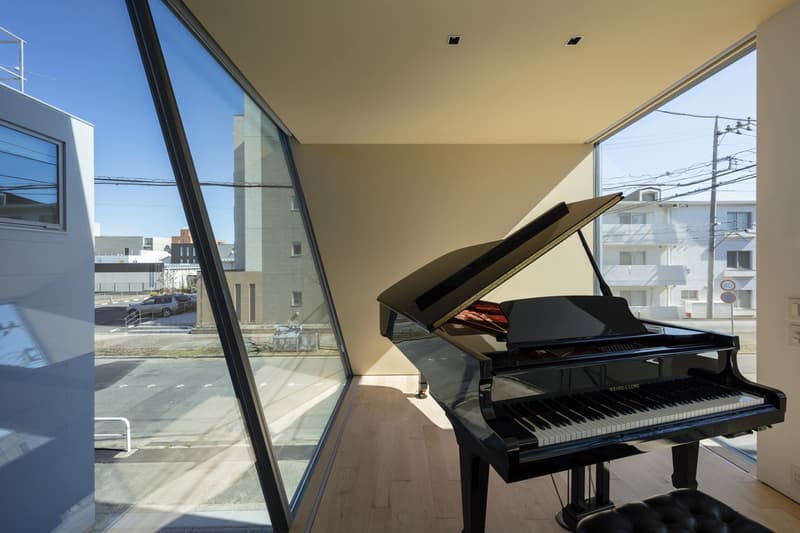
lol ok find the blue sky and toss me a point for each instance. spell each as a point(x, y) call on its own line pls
point(80, 56)
point(661, 142)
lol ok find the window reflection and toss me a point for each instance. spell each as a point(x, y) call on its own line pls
point(17, 345)
point(272, 276)
point(29, 173)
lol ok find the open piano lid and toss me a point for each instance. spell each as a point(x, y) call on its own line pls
point(441, 289)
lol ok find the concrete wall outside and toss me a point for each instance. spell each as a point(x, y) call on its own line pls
point(47, 408)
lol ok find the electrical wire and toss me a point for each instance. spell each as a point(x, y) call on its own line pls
point(122, 180)
point(693, 115)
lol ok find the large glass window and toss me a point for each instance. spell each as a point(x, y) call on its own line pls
point(254, 204)
point(688, 172)
point(189, 465)
point(30, 172)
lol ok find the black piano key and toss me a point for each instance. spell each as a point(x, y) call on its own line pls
point(529, 416)
point(594, 401)
point(548, 414)
point(584, 409)
point(573, 414)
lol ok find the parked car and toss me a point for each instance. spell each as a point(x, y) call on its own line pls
point(164, 305)
point(186, 302)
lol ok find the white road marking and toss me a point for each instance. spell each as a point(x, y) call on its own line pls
point(123, 385)
point(151, 385)
point(179, 386)
point(208, 385)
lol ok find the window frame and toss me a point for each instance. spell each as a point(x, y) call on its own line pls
point(61, 224)
point(297, 302)
point(739, 254)
point(630, 216)
point(734, 224)
point(631, 254)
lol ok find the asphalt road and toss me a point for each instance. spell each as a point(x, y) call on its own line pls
point(189, 443)
point(111, 316)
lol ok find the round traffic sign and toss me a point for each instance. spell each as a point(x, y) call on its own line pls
point(728, 297)
point(727, 284)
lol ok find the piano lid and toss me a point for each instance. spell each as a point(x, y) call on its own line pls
point(439, 290)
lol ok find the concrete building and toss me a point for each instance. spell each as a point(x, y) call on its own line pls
point(655, 254)
point(129, 244)
point(272, 273)
point(46, 318)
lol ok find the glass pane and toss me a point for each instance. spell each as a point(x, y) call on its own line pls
point(272, 276)
point(679, 153)
point(29, 172)
point(190, 466)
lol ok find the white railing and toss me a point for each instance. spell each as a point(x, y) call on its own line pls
point(133, 319)
point(127, 433)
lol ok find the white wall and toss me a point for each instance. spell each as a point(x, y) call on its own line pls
point(778, 239)
point(47, 408)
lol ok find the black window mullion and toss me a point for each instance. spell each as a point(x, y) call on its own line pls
point(210, 264)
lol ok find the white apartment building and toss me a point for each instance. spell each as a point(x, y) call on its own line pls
point(655, 255)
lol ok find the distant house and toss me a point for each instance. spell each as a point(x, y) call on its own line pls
point(655, 255)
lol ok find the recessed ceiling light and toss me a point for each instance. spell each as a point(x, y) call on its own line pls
point(454, 40)
point(574, 40)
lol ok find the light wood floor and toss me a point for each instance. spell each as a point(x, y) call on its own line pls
point(396, 469)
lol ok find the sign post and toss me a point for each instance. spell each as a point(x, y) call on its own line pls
point(729, 298)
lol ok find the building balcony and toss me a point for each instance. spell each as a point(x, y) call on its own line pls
point(644, 275)
point(738, 273)
point(640, 234)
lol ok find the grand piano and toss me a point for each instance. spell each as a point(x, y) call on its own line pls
point(543, 385)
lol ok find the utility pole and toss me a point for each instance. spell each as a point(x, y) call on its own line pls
point(712, 220)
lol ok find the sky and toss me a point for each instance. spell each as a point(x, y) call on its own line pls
point(80, 56)
point(659, 143)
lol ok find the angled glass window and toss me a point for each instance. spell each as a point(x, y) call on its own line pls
point(253, 203)
point(170, 449)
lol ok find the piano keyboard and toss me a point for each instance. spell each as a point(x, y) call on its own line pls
point(557, 420)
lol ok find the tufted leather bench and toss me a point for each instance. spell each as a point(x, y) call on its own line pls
point(680, 511)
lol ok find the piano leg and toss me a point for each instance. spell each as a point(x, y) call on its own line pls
point(474, 488)
point(684, 465)
point(579, 505)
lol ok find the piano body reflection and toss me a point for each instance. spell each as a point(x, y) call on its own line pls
point(543, 385)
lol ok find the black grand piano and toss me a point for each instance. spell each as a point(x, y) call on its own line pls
point(543, 385)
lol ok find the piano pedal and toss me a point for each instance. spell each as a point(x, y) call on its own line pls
point(569, 516)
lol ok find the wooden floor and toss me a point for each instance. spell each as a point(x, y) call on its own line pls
point(396, 469)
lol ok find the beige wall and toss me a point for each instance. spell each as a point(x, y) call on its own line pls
point(778, 239)
point(205, 316)
point(381, 211)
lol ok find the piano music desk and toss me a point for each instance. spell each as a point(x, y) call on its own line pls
point(396, 469)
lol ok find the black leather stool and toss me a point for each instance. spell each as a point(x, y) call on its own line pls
point(680, 511)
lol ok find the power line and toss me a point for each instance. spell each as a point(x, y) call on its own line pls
point(693, 115)
point(122, 180)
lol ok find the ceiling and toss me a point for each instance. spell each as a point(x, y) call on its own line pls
point(381, 72)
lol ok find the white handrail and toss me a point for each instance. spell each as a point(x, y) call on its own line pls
point(127, 433)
